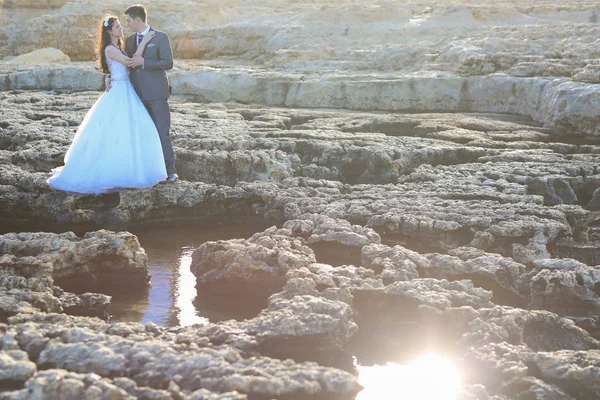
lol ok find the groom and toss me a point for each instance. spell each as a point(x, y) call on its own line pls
point(149, 79)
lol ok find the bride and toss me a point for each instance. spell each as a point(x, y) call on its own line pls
point(117, 145)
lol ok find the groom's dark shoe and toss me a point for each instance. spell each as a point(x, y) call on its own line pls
point(171, 178)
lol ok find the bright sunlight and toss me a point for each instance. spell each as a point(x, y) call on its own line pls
point(431, 377)
point(186, 284)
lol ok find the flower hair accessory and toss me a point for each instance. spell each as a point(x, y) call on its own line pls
point(106, 22)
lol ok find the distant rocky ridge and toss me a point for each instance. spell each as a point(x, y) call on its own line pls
point(530, 59)
point(536, 38)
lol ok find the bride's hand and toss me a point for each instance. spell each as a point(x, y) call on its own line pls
point(147, 37)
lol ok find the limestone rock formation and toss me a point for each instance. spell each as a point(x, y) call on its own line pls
point(151, 357)
point(426, 174)
point(41, 56)
point(427, 56)
point(31, 263)
point(100, 255)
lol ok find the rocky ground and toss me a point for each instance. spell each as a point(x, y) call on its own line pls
point(429, 175)
point(388, 228)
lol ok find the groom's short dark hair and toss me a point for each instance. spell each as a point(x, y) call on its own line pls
point(137, 11)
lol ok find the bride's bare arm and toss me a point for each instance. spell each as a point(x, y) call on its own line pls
point(115, 54)
point(143, 43)
point(137, 60)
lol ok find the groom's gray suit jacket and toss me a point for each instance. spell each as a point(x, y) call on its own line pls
point(150, 81)
point(151, 84)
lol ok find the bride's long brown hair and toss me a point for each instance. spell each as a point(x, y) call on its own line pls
point(104, 39)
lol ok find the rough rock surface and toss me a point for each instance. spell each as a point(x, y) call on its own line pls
point(429, 175)
point(533, 58)
point(95, 256)
point(31, 263)
point(386, 226)
point(156, 358)
point(41, 56)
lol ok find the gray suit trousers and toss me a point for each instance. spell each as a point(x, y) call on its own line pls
point(161, 115)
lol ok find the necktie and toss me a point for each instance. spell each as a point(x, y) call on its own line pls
point(139, 39)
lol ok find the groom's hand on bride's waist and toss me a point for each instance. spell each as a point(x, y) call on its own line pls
point(107, 83)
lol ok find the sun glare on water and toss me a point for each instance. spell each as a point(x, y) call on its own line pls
point(431, 377)
point(186, 284)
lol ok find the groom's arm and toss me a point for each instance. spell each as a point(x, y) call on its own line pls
point(165, 54)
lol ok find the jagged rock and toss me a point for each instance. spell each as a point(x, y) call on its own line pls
point(60, 384)
point(41, 56)
point(566, 287)
point(589, 324)
point(393, 264)
point(512, 367)
point(322, 229)
point(25, 283)
point(31, 262)
point(575, 371)
point(15, 366)
point(394, 197)
point(203, 394)
point(86, 304)
point(533, 388)
point(333, 283)
point(503, 276)
point(590, 74)
point(15, 301)
point(69, 77)
point(415, 303)
point(97, 256)
point(410, 317)
point(495, 363)
point(475, 195)
point(538, 330)
point(87, 346)
point(303, 328)
point(257, 265)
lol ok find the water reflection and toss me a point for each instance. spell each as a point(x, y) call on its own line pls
point(430, 377)
point(170, 297)
point(186, 293)
point(169, 301)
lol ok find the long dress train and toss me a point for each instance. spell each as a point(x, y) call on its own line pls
point(116, 146)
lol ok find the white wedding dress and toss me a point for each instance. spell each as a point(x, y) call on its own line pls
point(116, 146)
